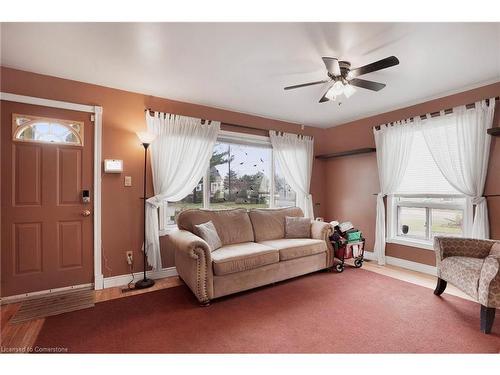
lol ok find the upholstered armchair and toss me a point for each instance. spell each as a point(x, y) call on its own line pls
point(473, 266)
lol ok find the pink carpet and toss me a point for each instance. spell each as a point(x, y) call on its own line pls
point(354, 312)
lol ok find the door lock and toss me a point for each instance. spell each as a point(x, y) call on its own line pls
point(85, 196)
point(85, 213)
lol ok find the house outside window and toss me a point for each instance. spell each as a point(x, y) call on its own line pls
point(426, 205)
point(284, 195)
point(242, 173)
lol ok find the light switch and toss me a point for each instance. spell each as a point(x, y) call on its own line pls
point(128, 180)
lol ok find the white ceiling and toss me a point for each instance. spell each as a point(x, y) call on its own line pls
point(244, 66)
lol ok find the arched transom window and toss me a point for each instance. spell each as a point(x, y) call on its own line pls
point(28, 128)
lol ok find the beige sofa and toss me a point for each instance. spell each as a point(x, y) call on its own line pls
point(254, 250)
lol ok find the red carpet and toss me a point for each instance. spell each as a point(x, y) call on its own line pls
point(354, 312)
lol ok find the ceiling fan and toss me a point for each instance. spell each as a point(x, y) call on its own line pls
point(342, 78)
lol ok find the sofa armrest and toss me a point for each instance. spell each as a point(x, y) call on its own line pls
point(489, 282)
point(466, 247)
point(193, 262)
point(322, 231)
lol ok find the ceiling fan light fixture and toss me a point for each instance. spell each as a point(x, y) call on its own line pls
point(337, 88)
point(330, 95)
point(349, 90)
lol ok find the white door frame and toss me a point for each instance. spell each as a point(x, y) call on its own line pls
point(96, 112)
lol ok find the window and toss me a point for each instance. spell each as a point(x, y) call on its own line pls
point(192, 200)
point(284, 196)
point(46, 130)
point(426, 205)
point(423, 218)
point(241, 174)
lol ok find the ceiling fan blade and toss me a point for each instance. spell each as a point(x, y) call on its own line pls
point(332, 65)
point(324, 98)
point(370, 85)
point(373, 67)
point(305, 84)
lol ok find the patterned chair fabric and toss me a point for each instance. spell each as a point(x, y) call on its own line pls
point(471, 265)
point(463, 272)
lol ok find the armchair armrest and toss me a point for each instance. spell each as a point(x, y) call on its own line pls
point(322, 231)
point(489, 282)
point(193, 262)
point(466, 247)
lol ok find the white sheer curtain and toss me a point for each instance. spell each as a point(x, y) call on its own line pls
point(393, 151)
point(460, 147)
point(294, 154)
point(180, 155)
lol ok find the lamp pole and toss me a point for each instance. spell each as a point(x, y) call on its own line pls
point(145, 282)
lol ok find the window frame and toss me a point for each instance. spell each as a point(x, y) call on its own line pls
point(18, 129)
point(393, 205)
point(228, 137)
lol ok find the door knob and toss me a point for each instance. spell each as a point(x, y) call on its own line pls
point(86, 213)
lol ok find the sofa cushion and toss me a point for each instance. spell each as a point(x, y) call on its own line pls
point(208, 232)
point(233, 226)
point(291, 248)
point(269, 223)
point(297, 227)
point(463, 272)
point(242, 257)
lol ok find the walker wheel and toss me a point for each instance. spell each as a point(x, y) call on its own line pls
point(339, 267)
point(358, 263)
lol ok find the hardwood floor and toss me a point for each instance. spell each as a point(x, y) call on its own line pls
point(116, 292)
point(23, 335)
point(413, 277)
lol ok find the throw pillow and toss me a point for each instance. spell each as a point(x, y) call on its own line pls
point(208, 232)
point(297, 227)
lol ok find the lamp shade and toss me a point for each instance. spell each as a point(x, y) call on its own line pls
point(146, 137)
point(337, 88)
point(349, 90)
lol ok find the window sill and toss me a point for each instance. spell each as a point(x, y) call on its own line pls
point(411, 242)
point(168, 229)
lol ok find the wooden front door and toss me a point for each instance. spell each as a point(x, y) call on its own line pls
point(47, 229)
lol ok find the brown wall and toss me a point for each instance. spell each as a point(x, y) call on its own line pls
point(351, 181)
point(123, 115)
point(342, 188)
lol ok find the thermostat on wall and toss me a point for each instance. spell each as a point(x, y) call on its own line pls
point(113, 166)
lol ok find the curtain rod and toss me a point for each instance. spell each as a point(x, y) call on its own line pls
point(438, 113)
point(229, 124)
point(485, 195)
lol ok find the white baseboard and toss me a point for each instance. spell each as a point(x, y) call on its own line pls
point(369, 255)
point(414, 266)
point(99, 282)
point(121, 280)
point(403, 263)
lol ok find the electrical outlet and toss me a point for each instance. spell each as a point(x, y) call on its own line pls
point(130, 257)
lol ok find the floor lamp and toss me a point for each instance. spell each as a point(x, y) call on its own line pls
point(146, 139)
